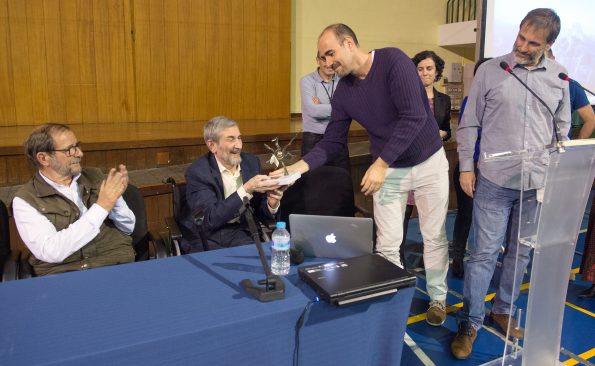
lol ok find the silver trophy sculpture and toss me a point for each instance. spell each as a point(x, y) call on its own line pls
point(280, 155)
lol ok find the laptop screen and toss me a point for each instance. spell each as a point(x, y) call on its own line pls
point(331, 236)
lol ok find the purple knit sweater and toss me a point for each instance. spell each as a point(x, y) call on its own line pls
point(391, 103)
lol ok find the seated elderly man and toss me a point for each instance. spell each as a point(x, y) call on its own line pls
point(218, 182)
point(71, 218)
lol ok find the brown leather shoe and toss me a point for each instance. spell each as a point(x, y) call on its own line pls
point(588, 293)
point(502, 321)
point(462, 344)
point(436, 314)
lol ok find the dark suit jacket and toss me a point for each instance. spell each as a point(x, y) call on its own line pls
point(204, 192)
point(442, 112)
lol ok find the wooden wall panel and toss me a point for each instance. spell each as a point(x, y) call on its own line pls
point(238, 67)
point(191, 43)
point(54, 59)
point(158, 207)
point(3, 173)
point(255, 62)
point(158, 96)
point(7, 98)
point(70, 61)
point(172, 61)
point(127, 72)
point(87, 61)
point(19, 50)
point(219, 57)
point(280, 51)
point(101, 32)
point(37, 59)
point(114, 61)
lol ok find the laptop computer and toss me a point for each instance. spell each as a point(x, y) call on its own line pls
point(352, 280)
point(331, 236)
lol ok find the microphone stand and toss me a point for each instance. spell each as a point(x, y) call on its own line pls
point(565, 77)
point(274, 287)
point(558, 136)
point(582, 87)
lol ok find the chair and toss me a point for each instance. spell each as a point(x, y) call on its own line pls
point(146, 244)
point(182, 238)
point(142, 238)
point(13, 263)
point(6, 260)
point(327, 191)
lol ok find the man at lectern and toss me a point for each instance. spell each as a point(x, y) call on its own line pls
point(510, 118)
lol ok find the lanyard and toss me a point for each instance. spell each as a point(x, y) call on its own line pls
point(330, 96)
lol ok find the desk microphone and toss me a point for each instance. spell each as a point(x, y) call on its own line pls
point(563, 76)
point(198, 216)
point(272, 287)
point(507, 68)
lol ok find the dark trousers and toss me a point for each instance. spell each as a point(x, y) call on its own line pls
point(464, 216)
point(311, 139)
point(230, 235)
point(588, 262)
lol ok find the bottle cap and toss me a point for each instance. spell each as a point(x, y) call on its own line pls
point(281, 225)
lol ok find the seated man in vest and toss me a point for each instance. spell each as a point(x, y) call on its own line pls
point(71, 218)
point(218, 182)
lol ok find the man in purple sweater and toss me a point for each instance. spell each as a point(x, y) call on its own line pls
point(382, 91)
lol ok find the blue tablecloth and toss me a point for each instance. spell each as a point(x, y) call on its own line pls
point(189, 310)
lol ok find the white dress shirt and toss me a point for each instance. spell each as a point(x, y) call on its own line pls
point(233, 182)
point(52, 246)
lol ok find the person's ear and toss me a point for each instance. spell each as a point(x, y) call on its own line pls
point(43, 158)
point(212, 146)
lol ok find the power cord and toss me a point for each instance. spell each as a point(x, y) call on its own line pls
point(298, 326)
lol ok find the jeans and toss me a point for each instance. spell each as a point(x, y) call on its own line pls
point(429, 181)
point(496, 220)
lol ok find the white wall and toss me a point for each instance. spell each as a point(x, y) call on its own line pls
point(409, 25)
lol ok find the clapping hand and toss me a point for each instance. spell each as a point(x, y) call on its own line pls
point(112, 187)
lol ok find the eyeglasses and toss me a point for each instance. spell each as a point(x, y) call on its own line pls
point(71, 150)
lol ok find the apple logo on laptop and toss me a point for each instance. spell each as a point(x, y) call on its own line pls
point(331, 238)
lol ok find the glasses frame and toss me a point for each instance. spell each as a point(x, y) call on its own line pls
point(69, 151)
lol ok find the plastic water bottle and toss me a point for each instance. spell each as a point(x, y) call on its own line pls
point(280, 250)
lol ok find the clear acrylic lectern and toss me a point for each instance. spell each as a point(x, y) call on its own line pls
point(554, 184)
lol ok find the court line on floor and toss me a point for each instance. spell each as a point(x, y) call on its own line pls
point(585, 356)
point(451, 308)
point(425, 359)
point(576, 307)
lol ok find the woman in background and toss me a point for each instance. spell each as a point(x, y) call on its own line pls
point(429, 68)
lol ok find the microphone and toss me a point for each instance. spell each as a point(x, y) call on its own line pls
point(198, 216)
point(565, 77)
point(504, 65)
point(272, 287)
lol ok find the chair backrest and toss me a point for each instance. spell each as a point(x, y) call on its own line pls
point(140, 236)
point(4, 236)
point(327, 190)
point(190, 242)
